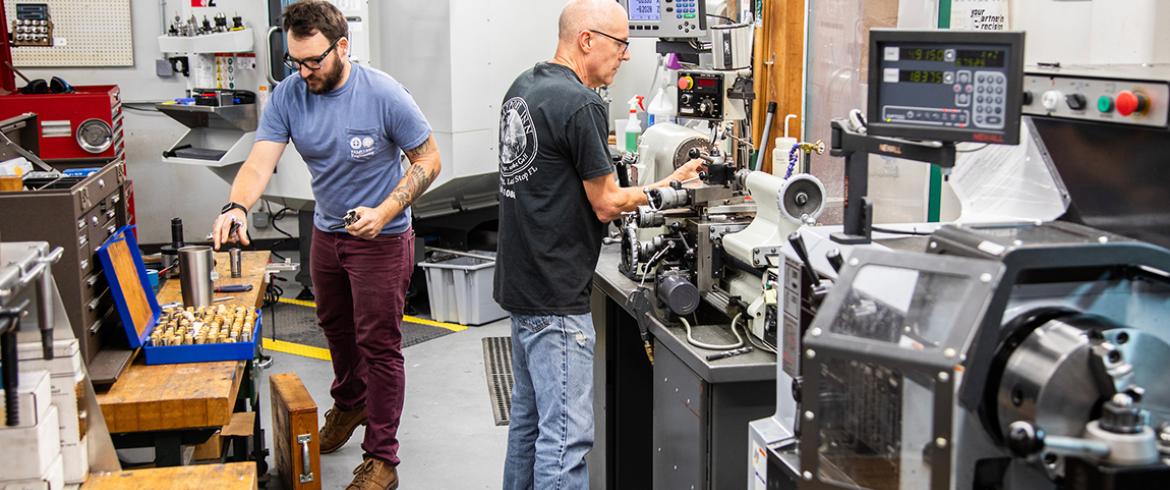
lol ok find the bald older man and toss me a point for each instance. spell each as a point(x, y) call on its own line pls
point(557, 193)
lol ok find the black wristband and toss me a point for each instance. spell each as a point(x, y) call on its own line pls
point(233, 205)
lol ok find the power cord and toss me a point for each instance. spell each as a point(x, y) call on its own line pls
point(764, 345)
point(275, 219)
point(973, 150)
point(703, 345)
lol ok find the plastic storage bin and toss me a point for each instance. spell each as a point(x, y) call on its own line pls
point(460, 290)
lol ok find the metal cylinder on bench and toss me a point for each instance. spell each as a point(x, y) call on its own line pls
point(196, 263)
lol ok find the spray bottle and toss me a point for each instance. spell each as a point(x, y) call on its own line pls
point(662, 107)
point(633, 125)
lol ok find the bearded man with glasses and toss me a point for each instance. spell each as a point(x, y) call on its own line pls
point(349, 123)
point(557, 194)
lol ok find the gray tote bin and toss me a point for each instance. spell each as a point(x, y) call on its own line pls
point(460, 290)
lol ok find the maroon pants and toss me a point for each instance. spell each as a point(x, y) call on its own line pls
point(361, 292)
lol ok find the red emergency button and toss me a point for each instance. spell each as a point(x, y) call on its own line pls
point(686, 83)
point(1129, 103)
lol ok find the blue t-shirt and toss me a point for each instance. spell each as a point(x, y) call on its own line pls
point(350, 138)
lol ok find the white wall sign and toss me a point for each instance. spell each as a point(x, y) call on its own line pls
point(980, 15)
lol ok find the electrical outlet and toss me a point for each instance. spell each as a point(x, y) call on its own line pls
point(261, 220)
point(163, 68)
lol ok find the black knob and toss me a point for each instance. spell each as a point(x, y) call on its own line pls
point(1076, 102)
point(693, 153)
point(706, 106)
point(1027, 97)
point(835, 259)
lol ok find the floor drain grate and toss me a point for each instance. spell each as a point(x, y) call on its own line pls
point(497, 360)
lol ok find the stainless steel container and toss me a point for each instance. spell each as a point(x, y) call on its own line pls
point(731, 45)
point(236, 262)
point(196, 263)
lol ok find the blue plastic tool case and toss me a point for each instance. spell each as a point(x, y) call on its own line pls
point(178, 354)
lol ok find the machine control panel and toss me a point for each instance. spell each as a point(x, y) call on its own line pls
point(667, 19)
point(700, 95)
point(1132, 95)
point(946, 86)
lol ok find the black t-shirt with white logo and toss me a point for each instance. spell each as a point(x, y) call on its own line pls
point(553, 135)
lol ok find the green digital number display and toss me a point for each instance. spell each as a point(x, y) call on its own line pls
point(920, 76)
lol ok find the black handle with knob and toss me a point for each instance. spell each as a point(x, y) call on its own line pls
point(835, 259)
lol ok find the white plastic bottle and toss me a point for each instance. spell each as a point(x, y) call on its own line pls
point(780, 153)
point(662, 106)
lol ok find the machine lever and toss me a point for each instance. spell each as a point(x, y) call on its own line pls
point(835, 259)
point(9, 325)
point(797, 396)
point(695, 153)
point(622, 165)
point(797, 242)
point(1025, 439)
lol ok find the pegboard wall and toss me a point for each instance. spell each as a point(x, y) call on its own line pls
point(86, 33)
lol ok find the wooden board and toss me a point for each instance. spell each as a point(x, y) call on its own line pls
point(131, 285)
point(243, 424)
point(183, 396)
point(232, 476)
point(294, 413)
point(172, 396)
point(779, 70)
point(210, 451)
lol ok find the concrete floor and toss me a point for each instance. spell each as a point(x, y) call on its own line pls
point(448, 436)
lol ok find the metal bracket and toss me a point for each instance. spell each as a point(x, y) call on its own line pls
point(760, 255)
point(306, 470)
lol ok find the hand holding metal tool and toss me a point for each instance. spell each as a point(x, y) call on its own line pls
point(234, 234)
point(348, 220)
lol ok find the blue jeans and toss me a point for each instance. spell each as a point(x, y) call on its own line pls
point(551, 427)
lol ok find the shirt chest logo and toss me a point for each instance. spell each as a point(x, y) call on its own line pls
point(361, 147)
point(518, 142)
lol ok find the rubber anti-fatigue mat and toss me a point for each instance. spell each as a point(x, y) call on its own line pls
point(497, 363)
point(298, 324)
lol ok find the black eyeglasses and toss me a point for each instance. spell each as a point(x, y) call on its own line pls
point(625, 44)
point(310, 63)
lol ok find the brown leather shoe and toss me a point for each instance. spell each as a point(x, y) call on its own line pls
point(339, 426)
point(374, 474)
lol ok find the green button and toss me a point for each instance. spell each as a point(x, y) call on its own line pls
point(1105, 104)
point(688, 16)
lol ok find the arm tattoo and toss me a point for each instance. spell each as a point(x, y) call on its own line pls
point(422, 149)
point(417, 179)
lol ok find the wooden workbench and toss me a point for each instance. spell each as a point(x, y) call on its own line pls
point(184, 396)
point(231, 476)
